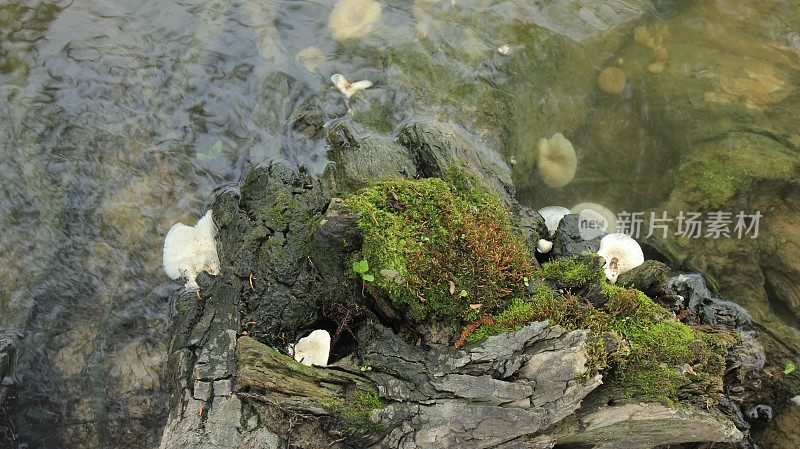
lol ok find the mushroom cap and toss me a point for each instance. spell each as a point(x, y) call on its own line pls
point(347, 88)
point(597, 213)
point(544, 246)
point(188, 250)
point(612, 80)
point(314, 349)
point(621, 253)
point(353, 18)
point(556, 160)
point(552, 217)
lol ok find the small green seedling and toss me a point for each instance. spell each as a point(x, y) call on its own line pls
point(213, 152)
point(462, 294)
point(526, 282)
point(789, 368)
point(362, 268)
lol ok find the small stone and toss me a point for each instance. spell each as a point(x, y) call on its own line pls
point(612, 80)
point(252, 422)
point(761, 412)
point(649, 277)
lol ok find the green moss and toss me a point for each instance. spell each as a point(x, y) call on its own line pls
point(544, 304)
point(573, 272)
point(658, 347)
point(426, 241)
point(279, 213)
point(426, 238)
point(711, 177)
point(632, 304)
point(513, 317)
point(357, 413)
point(668, 360)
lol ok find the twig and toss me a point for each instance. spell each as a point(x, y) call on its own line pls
point(472, 327)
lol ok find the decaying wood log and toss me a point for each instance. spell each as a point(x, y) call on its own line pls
point(638, 426)
point(431, 399)
point(233, 387)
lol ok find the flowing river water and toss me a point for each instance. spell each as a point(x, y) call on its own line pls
point(119, 118)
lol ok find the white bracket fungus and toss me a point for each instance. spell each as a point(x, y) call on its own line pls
point(621, 253)
point(188, 250)
point(314, 349)
point(347, 88)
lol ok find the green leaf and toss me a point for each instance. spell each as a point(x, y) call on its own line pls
point(214, 151)
point(361, 267)
point(789, 369)
point(368, 277)
point(525, 281)
point(462, 294)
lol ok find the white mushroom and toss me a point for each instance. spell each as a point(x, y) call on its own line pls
point(314, 349)
point(621, 253)
point(347, 88)
point(544, 246)
point(556, 160)
point(188, 250)
point(350, 19)
point(552, 217)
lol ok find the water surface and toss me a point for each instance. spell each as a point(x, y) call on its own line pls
point(119, 118)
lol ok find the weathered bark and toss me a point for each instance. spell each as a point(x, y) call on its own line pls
point(640, 426)
point(438, 399)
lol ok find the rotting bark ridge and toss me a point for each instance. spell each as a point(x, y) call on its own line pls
point(286, 245)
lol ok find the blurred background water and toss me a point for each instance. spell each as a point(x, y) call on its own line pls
point(119, 118)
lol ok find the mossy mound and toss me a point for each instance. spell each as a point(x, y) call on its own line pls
point(657, 357)
point(667, 360)
point(446, 252)
point(440, 250)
